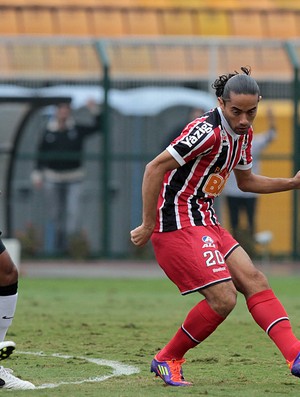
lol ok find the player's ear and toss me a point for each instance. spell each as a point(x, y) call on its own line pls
point(221, 102)
point(259, 98)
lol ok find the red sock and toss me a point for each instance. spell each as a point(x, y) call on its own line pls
point(200, 322)
point(271, 316)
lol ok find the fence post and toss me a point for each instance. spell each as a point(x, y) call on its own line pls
point(106, 151)
point(293, 57)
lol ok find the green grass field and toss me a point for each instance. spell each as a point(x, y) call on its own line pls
point(128, 321)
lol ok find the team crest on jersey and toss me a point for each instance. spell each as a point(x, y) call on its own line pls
point(208, 242)
point(224, 136)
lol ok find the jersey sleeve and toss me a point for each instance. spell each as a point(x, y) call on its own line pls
point(197, 138)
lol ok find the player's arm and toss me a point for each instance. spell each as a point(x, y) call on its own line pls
point(249, 182)
point(152, 182)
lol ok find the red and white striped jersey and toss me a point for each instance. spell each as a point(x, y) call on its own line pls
point(207, 151)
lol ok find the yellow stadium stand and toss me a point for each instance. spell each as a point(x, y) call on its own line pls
point(60, 3)
point(211, 23)
point(247, 24)
point(116, 18)
point(132, 59)
point(233, 57)
point(199, 61)
point(177, 22)
point(28, 60)
point(172, 58)
point(13, 3)
point(143, 22)
point(73, 21)
point(282, 25)
point(273, 62)
point(10, 21)
point(287, 4)
point(38, 21)
point(59, 60)
point(107, 23)
point(5, 62)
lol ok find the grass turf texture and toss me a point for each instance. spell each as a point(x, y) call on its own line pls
point(128, 321)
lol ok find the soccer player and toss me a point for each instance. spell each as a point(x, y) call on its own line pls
point(192, 248)
point(8, 302)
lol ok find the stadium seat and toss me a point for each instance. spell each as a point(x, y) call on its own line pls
point(235, 56)
point(10, 21)
point(171, 59)
point(167, 4)
point(274, 63)
point(13, 3)
point(221, 4)
point(132, 59)
point(108, 3)
point(72, 21)
point(107, 22)
point(5, 62)
point(143, 22)
point(38, 21)
point(199, 61)
point(24, 61)
point(287, 4)
point(282, 25)
point(177, 22)
point(65, 61)
point(60, 3)
point(211, 23)
point(247, 24)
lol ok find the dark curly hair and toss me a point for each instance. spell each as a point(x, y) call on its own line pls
point(237, 83)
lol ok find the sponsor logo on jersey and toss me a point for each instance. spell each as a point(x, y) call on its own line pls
point(198, 130)
point(219, 269)
point(208, 242)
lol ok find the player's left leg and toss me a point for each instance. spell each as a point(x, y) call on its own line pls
point(8, 302)
point(8, 298)
point(264, 306)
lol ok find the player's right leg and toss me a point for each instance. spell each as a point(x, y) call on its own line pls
point(265, 307)
point(8, 301)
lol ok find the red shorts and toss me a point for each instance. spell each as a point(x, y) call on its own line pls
point(194, 257)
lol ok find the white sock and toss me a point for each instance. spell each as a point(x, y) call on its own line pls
point(7, 311)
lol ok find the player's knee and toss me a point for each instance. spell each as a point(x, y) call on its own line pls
point(260, 279)
point(8, 270)
point(256, 282)
point(228, 302)
point(224, 301)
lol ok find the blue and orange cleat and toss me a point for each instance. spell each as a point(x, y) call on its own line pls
point(170, 372)
point(294, 366)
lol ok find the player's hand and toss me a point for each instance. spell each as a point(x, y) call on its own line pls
point(141, 235)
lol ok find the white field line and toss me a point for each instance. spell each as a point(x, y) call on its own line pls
point(118, 369)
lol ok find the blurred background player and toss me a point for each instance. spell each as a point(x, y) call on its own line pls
point(193, 114)
point(62, 175)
